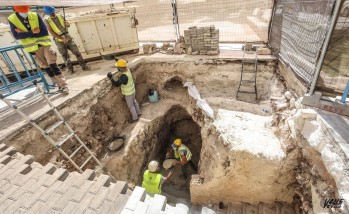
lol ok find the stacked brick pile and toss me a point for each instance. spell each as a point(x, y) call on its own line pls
point(203, 40)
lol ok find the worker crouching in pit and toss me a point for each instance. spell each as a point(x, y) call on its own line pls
point(153, 180)
point(125, 81)
point(183, 156)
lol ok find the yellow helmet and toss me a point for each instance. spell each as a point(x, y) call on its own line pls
point(177, 142)
point(121, 63)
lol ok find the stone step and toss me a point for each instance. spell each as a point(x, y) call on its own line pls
point(120, 187)
point(157, 204)
point(102, 180)
point(4, 160)
point(68, 183)
point(141, 208)
point(88, 174)
point(21, 165)
point(82, 191)
point(84, 203)
point(5, 168)
point(138, 194)
point(16, 185)
point(3, 147)
point(8, 151)
point(119, 204)
point(50, 202)
point(60, 175)
point(64, 199)
point(99, 198)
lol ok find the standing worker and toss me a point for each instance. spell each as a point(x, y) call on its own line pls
point(152, 179)
point(57, 26)
point(126, 83)
point(183, 156)
point(29, 28)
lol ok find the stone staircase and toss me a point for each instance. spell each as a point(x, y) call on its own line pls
point(28, 187)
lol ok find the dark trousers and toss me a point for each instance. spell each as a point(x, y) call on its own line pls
point(185, 166)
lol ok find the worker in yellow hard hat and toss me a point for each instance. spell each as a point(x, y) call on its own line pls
point(152, 179)
point(125, 81)
point(183, 156)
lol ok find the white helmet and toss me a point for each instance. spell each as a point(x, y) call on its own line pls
point(153, 166)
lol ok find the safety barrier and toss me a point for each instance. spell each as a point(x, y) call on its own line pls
point(23, 75)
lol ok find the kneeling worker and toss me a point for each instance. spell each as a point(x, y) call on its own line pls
point(152, 179)
point(183, 157)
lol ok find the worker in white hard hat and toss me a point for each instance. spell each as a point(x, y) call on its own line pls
point(183, 157)
point(125, 81)
point(152, 179)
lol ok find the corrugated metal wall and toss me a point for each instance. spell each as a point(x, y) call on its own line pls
point(298, 31)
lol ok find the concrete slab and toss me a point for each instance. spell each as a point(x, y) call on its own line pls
point(338, 125)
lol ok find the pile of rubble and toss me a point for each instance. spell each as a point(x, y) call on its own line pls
point(196, 41)
point(203, 40)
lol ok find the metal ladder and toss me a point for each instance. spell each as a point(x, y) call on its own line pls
point(249, 49)
point(63, 139)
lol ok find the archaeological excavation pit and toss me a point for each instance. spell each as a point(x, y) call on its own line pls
point(244, 155)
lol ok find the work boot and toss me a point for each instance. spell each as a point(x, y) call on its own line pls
point(132, 120)
point(64, 90)
point(70, 67)
point(83, 66)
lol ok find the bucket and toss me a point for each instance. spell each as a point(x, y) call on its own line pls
point(153, 96)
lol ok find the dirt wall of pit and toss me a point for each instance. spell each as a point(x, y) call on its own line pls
point(231, 174)
point(100, 111)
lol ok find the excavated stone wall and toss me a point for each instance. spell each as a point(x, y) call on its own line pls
point(255, 170)
point(230, 168)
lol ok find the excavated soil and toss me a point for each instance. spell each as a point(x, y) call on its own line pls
point(244, 154)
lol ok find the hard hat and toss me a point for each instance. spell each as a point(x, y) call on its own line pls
point(177, 142)
point(121, 63)
point(49, 10)
point(22, 8)
point(153, 166)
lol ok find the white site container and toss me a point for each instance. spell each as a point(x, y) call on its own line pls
point(95, 35)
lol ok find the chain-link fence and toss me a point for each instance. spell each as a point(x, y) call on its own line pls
point(298, 32)
point(237, 20)
point(155, 20)
point(335, 69)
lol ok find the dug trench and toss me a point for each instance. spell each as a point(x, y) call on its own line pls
point(244, 154)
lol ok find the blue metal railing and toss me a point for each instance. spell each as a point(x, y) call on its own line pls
point(345, 93)
point(32, 72)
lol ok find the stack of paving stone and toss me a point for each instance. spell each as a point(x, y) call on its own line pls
point(203, 40)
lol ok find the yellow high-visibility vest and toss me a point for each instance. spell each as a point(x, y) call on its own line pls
point(54, 26)
point(152, 182)
point(129, 88)
point(30, 44)
point(184, 148)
